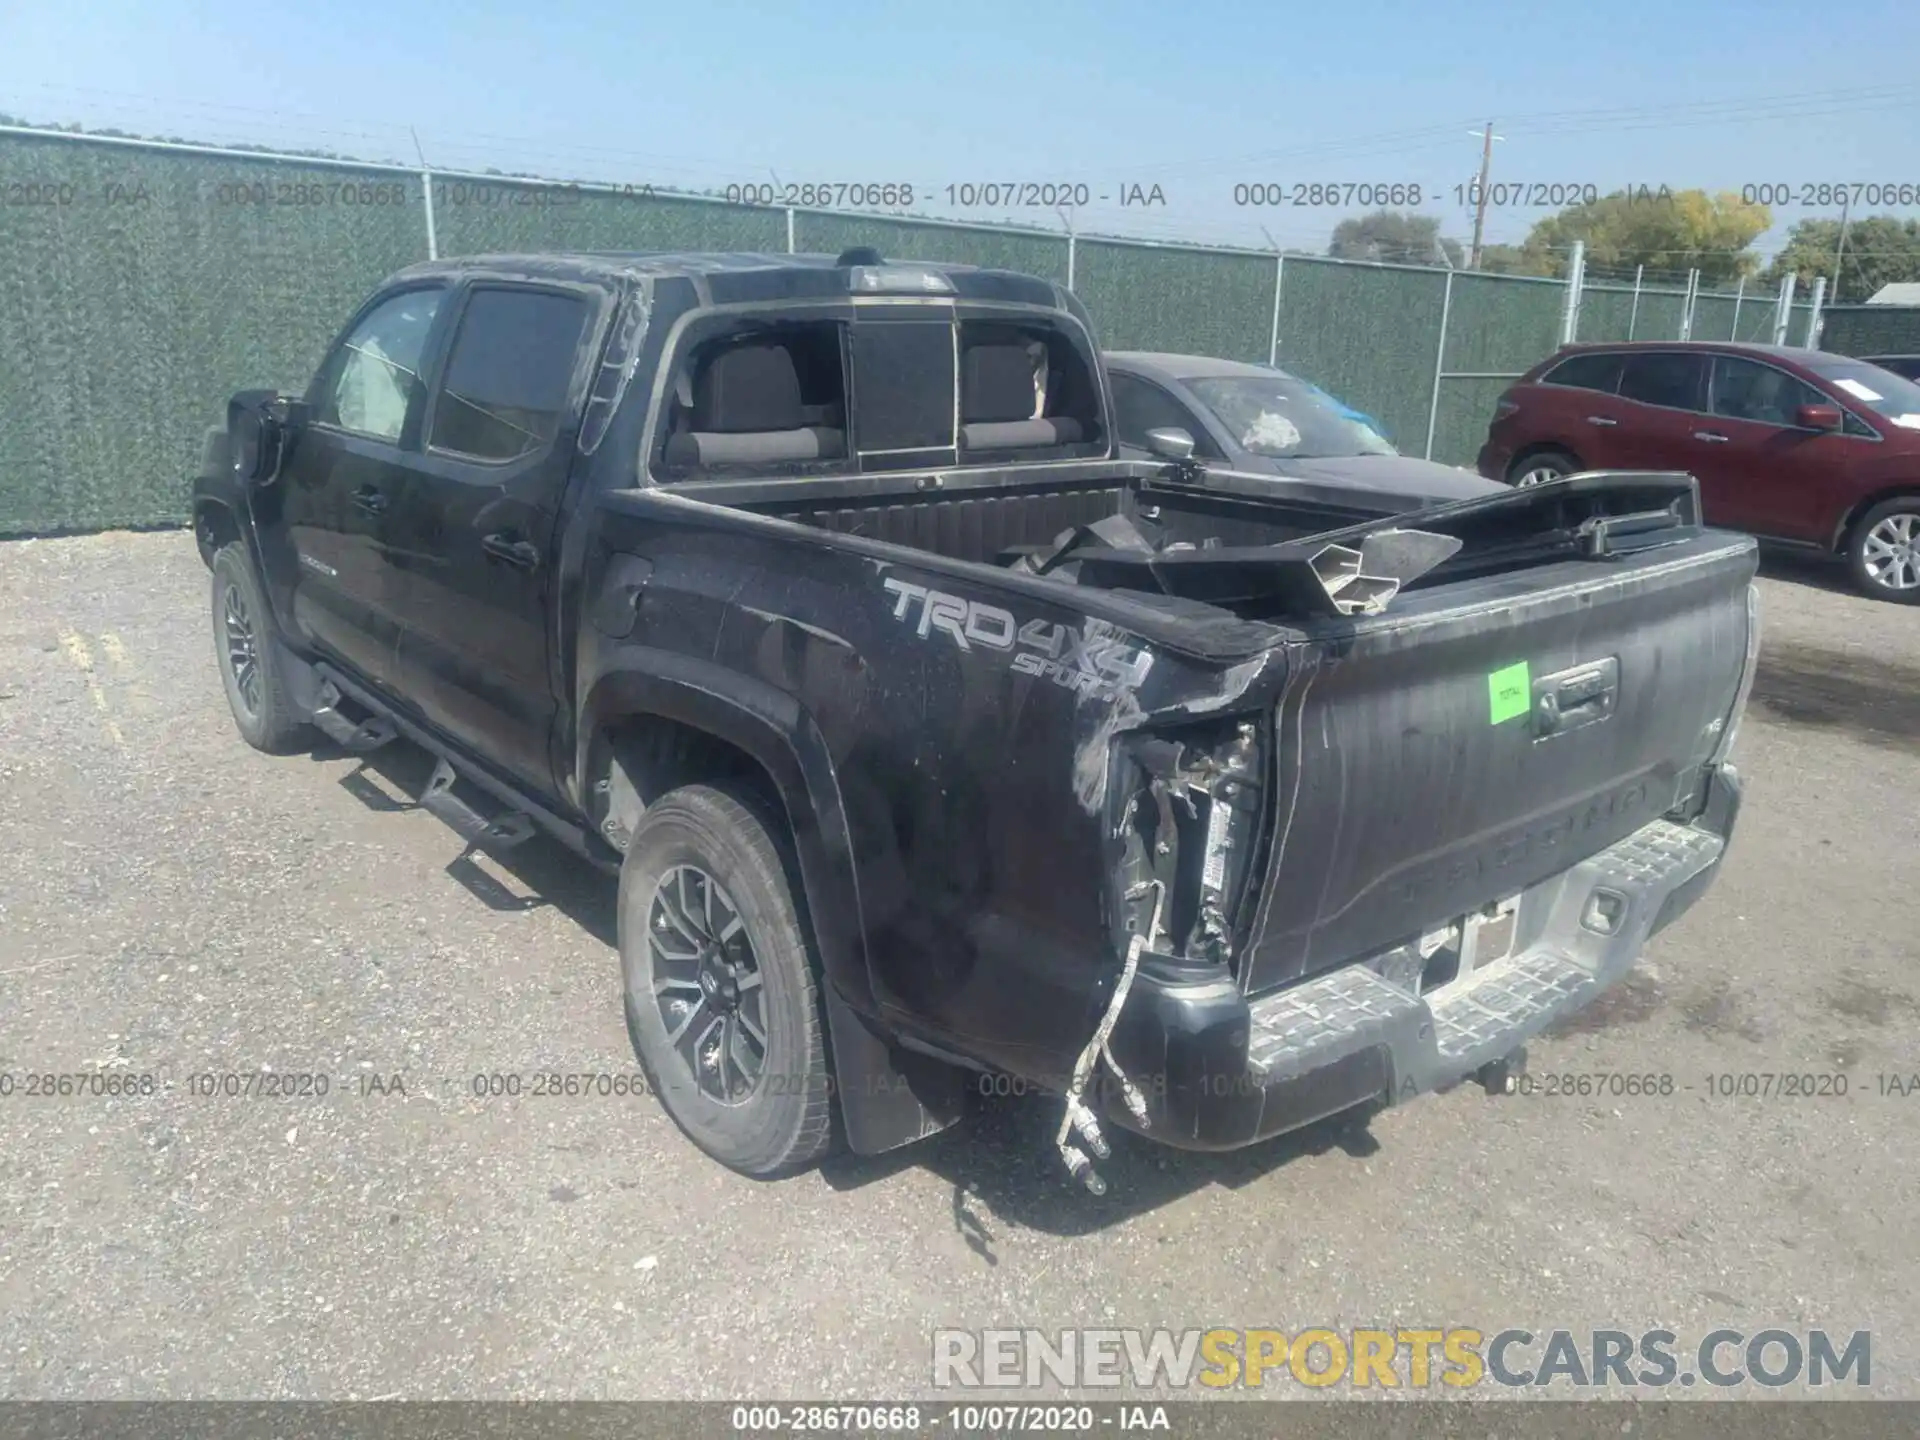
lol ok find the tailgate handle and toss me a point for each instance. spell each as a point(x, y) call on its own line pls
point(1569, 699)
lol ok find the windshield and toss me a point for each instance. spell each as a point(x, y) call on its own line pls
point(1888, 395)
point(1286, 419)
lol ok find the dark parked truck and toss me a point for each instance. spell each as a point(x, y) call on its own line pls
point(931, 740)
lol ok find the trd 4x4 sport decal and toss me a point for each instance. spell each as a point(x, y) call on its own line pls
point(1075, 657)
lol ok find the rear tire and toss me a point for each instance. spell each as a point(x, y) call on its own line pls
point(1540, 467)
point(263, 709)
point(1883, 551)
point(722, 1001)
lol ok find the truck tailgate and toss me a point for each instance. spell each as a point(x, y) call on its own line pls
point(1481, 736)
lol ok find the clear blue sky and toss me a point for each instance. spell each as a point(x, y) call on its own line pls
point(1194, 95)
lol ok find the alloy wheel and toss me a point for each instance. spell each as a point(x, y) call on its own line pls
point(707, 983)
point(1891, 552)
point(243, 654)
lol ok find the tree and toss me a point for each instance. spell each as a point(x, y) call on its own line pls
point(1881, 250)
point(1661, 229)
point(1393, 236)
point(1516, 260)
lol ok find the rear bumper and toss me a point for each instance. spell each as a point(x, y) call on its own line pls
point(1493, 461)
point(1220, 1071)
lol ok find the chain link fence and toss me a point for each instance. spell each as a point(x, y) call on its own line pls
point(141, 283)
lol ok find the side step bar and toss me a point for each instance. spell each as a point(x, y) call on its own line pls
point(354, 738)
point(502, 833)
point(521, 813)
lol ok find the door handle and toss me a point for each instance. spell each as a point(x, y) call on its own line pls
point(505, 545)
point(1601, 420)
point(1711, 437)
point(370, 500)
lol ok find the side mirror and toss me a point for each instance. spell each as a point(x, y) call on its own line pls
point(260, 423)
point(1818, 417)
point(1171, 443)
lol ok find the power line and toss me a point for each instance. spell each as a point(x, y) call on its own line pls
point(1681, 115)
point(1416, 140)
point(388, 130)
point(1138, 224)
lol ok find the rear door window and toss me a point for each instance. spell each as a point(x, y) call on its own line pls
point(1586, 372)
point(1672, 378)
point(504, 394)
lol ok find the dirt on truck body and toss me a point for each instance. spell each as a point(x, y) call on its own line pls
point(929, 737)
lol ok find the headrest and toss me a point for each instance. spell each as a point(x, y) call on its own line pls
point(996, 383)
point(766, 447)
point(746, 388)
point(1021, 434)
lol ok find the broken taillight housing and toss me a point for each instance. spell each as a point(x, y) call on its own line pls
point(1189, 825)
point(1730, 724)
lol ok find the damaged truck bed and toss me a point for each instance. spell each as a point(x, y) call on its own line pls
point(931, 739)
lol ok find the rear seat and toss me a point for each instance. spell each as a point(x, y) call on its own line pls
point(997, 401)
point(746, 408)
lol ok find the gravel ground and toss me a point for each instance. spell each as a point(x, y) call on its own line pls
point(172, 902)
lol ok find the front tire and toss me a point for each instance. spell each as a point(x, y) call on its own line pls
point(257, 693)
point(1884, 551)
point(722, 1002)
point(1541, 467)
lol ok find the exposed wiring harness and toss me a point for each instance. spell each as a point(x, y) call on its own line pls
point(1078, 1116)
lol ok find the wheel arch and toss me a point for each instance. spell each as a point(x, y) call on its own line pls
point(1539, 448)
point(1858, 511)
point(215, 526)
point(661, 720)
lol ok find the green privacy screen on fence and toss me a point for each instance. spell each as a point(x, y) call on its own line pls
point(141, 285)
point(1607, 312)
point(1496, 328)
point(1145, 297)
point(478, 217)
point(1873, 330)
point(150, 288)
point(1368, 334)
point(1042, 255)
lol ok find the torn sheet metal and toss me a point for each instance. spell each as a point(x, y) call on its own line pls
point(1363, 581)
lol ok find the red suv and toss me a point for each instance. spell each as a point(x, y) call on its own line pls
point(1801, 447)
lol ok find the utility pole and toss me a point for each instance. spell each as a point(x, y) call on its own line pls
point(1840, 250)
point(1480, 190)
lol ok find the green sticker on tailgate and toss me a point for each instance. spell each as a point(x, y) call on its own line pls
point(1509, 693)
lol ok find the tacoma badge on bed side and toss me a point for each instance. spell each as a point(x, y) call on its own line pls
point(1076, 657)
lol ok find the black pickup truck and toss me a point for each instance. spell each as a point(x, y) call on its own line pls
point(932, 741)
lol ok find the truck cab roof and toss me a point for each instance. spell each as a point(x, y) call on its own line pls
point(737, 276)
